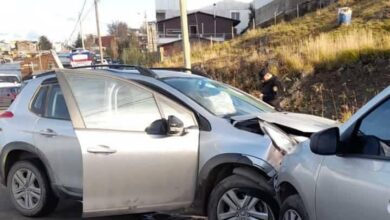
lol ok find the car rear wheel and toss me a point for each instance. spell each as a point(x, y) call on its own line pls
point(238, 198)
point(29, 189)
point(293, 209)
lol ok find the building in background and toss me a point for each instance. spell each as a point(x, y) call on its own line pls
point(25, 48)
point(203, 27)
point(5, 47)
point(234, 9)
point(200, 24)
point(166, 9)
point(59, 46)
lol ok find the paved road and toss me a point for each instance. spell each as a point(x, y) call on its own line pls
point(72, 210)
point(65, 210)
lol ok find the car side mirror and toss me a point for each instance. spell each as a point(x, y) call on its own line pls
point(325, 142)
point(175, 126)
point(158, 127)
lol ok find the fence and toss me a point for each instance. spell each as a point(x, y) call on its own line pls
point(286, 9)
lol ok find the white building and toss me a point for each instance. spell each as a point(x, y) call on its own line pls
point(59, 46)
point(234, 9)
point(5, 47)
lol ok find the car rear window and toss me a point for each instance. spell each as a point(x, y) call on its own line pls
point(57, 108)
point(9, 79)
point(38, 103)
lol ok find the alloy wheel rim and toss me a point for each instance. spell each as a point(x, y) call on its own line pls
point(238, 205)
point(291, 215)
point(26, 189)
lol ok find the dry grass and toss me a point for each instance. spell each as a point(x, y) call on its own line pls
point(329, 50)
point(297, 49)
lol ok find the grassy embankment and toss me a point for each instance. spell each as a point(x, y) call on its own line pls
point(327, 70)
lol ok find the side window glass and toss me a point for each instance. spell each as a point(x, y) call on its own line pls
point(170, 108)
point(107, 103)
point(374, 132)
point(37, 105)
point(57, 108)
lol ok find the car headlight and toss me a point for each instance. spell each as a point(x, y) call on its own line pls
point(280, 139)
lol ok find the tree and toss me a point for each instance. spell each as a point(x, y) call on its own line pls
point(132, 53)
point(78, 43)
point(44, 43)
point(120, 31)
point(90, 41)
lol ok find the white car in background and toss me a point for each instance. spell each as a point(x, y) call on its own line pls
point(80, 57)
point(10, 86)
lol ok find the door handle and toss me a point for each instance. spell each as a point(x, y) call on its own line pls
point(48, 132)
point(101, 149)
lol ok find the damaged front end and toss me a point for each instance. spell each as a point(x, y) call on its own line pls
point(284, 129)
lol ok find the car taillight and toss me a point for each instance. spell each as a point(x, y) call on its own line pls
point(6, 114)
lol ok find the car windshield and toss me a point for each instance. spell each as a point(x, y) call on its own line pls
point(9, 79)
point(218, 98)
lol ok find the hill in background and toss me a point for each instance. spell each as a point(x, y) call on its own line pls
point(327, 70)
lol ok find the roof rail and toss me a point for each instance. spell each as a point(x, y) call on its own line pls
point(33, 76)
point(142, 70)
point(183, 69)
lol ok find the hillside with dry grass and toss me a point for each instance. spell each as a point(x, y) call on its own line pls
point(327, 70)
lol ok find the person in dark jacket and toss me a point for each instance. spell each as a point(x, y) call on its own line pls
point(271, 88)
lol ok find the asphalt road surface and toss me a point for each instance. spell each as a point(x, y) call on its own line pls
point(67, 210)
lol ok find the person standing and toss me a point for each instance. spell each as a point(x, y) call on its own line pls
point(271, 88)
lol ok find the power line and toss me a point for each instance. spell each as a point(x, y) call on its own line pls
point(78, 21)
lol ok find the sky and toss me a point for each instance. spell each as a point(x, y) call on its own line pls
point(56, 19)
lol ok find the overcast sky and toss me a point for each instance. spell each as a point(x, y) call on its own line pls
point(28, 19)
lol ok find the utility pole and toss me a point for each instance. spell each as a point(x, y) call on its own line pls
point(98, 31)
point(81, 32)
point(184, 29)
point(215, 21)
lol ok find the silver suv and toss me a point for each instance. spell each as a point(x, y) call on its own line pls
point(142, 140)
point(342, 172)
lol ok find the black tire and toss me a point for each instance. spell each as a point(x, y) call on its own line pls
point(47, 202)
point(293, 205)
point(249, 187)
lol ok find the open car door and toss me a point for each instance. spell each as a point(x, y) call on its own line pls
point(125, 168)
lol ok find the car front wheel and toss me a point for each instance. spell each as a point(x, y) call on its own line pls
point(29, 189)
point(293, 209)
point(239, 198)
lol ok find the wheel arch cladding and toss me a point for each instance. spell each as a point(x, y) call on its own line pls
point(17, 151)
point(286, 189)
point(222, 166)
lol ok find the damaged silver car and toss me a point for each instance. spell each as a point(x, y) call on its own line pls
point(140, 140)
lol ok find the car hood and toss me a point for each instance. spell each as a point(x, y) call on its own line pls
point(301, 122)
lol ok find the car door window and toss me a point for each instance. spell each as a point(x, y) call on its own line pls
point(169, 108)
point(373, 136)
point(56, 106)
point(108, 103)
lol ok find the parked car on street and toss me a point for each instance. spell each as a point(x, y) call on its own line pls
point(134, 140)
point(342, 172)
point(10, 85)
point(80, 57)
point(65, 59)
point(8, 94)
